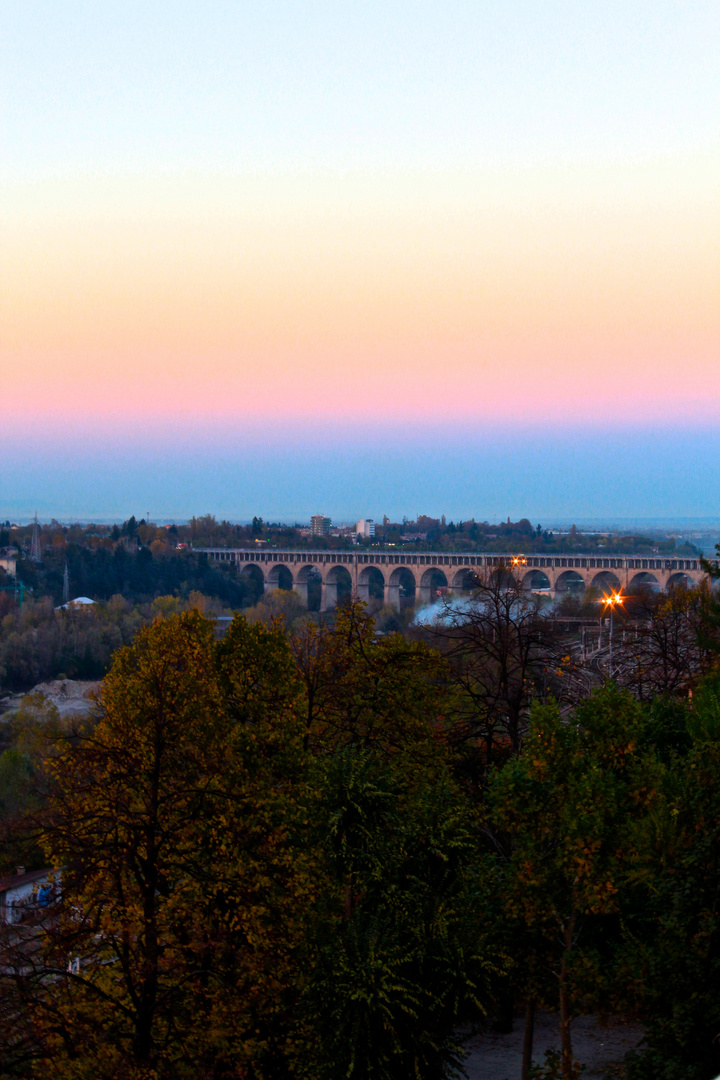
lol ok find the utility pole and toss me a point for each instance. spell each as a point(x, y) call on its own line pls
point(35, 554)
point(610, 602)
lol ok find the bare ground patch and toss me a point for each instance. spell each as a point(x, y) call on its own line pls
point(598, 1048)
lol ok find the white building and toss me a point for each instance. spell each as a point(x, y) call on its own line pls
point(365, 528)
point(26, 891)
point(9, 564)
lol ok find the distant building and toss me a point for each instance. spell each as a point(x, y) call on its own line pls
point(79, 601)
point(26, 891)
point(9, 564)
point(365, 528)
point(320, 525)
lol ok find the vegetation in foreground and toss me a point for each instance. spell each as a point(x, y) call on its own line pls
point(316, 853)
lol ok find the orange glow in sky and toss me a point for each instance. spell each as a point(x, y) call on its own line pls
point(575, 293)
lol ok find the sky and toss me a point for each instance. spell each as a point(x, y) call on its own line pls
point(355, 259)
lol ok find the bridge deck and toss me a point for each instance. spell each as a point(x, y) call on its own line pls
point(431, 558)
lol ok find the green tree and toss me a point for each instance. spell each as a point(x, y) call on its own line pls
point(563, 812)
point(401, 958)
point(678, 940)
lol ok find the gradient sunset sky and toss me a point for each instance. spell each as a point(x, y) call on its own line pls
point(288, 258)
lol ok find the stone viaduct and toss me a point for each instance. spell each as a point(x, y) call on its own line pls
point(426, 575)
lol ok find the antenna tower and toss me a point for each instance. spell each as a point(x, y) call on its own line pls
point(35, 555)
point(66, 586)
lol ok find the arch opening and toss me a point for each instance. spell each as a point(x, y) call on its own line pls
point(570, 581)
point(252, 578)
point(536, 581)
point(503, 578)
point(433, 585)
point(465, 580)
point(644, 582)
point(401, 588)
point(337, 588)
point(371, 587)
point(308, 585)
point(680, 581)
point(606, 582)
point(280, 578)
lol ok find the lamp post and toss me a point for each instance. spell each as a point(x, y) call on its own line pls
point(517, 562)
point(610, 602)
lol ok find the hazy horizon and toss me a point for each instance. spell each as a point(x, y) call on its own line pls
point(237, 474)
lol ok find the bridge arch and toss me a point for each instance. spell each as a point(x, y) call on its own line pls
point(606, 581)
point(465, 580)
point(252, 576)
point(536, 581)
point(643, 581)
point(371, 585)
point(570, 581)
point(680, 581)
point(279, 577)
point(308, 585)
point(402, 590)
point(336, 587)
point(502, 577)
point(432, 584)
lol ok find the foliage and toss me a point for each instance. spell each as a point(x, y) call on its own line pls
point(664, 654)
point(401, 955)
point(137, 573)
point(501, 652)
point(173, 827)
point(563, 812)
point(680, 950)
point(385, 694)
point(221, 884)
point(710, 627)
point(42, 642)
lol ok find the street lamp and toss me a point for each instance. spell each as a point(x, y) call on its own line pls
point(611, 602)
point(516, 562)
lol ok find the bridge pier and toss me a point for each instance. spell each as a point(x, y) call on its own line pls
point(392, 596)
point(362, 592)
point(302, 590)
point(328, 596)
point(422, 592)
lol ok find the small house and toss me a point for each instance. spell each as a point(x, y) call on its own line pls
point(25, 892)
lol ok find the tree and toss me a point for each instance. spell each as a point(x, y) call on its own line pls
point(401, 953)
point(664, 653)
point(358, 690)
point(500, 649)
point(182, 882)
point(710, 627)
point(562, 812)
point(678, 941)
point(233, 859)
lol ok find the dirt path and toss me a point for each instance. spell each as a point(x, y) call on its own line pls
point(499, 1057)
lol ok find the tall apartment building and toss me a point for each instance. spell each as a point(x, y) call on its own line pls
point(365, 527)
point(320, 525)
